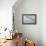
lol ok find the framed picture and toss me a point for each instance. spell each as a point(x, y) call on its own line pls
point(29, 18)
point(13, 22)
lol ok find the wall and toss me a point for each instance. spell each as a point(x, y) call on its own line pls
point(6, 13)
point(29, 31)
point(43, 22)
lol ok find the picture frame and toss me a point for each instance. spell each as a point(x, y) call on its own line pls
point(13, 22)
point(29, 18)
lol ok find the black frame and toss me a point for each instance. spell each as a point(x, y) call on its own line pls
point(13, 22)
point(29, 15)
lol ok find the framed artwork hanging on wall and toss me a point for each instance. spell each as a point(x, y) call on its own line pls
point(29, 18)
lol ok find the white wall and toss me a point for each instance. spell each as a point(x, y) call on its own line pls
point(43, 22)
point(29, 31)
point(6, 13)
